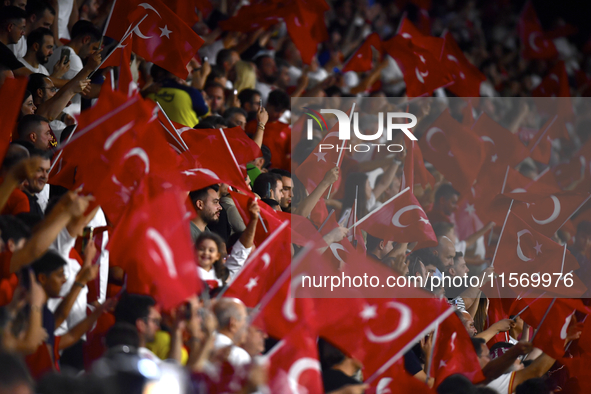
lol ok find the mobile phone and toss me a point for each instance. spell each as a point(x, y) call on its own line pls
point(65, 56)
point(87, 236)
point(261, 103)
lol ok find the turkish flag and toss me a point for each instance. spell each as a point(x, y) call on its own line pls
point(312, 171)
point(154, 235)
point(401, 219)
point(263, 268)
point(495, 313)
point(575, 173)
point(278, 139)
point(578, 370)
point(415, 171)
point(159, 35)
point(293, 364)
point(534, 45)
point(432, 44)
point(467, 77)
point(362, 58)
point(457, 152)
point(453, 353)
point(420, 67)
point(260, 15)
point(306, 27)
point(397, 380)
point(555, 84)
point(11, 95)
point(302, 229)
point(210, 151)
point(270, 218)
point(503, 148)
point(547, 214)
point(523, 250)
point(552, 332)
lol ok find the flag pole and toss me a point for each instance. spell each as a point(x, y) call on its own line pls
point(490, 235)
point(108, 20)
point(492, 264)
point(543, 134)
point(431, 351)
point(255, 254)
point(180, 139)
point(326, 220)
point(262, 221)
point(342, 148)
point(110, 53)
point(541, 322)
point(354, 214)
point(527, 306)
point(383, 205)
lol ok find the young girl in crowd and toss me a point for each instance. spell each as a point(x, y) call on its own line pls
point(210, 261)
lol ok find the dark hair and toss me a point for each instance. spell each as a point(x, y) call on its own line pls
point(217, 71)
point(36, 81)
point(266, 156)
point(211, 122)
point(259, 60)
point(456, 384)
point(51, 261)
point(264, 183)
point(122, 333)
point(372, 242)
point(11, 14)
point(279, 100)
point(37, 36)
point(28, 122)
point(13, 371)
point(218, 266)
point(446, 191)
point(85, 28)
point(27, 94)
point(442, 228)
point(213, 84)
point(158, 73)
point(13, 228)
point(225, 55)
point(457, 256)
point(233, 111)
point(247, 96)
point(132, 307)
point(281, 172)
point(427, 257)
point(37, 8)
point(356, 179)
point(201, 194)
point(477, 344)
point(14, 155)
point(30, 219)
point(36, 152)
point(270, 202)
point(329, 355)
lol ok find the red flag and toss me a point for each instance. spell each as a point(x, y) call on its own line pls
point(270, 218)
point(11, 95)
point(210, 151)
point(397, 380)
point(159, 35)
point(261, 15)
point(306, 27)
point(533, 43)
point(421, 68)
point(187, 9)
point(503, 148)
point(523, 250)
point(154, 235)
point(415, 171)
point(467, 77)
point(293, 364)
point(312, 171)
point(362, 59)
point(278, 139)
point(454, 150)
point(552, 332)
point(401, 219)
point(453, 353)
point(555, 84)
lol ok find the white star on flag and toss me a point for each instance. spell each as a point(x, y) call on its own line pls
point(538, 248)
point(252, 282)
point(368, 312)
point(494, 158)
point(470, 209)
point(320, 156)
point(165, 31)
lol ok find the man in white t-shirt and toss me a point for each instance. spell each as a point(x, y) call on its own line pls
point(39, 49)
point(84, 43)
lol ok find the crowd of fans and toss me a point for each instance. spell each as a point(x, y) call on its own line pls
point(67, 322)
